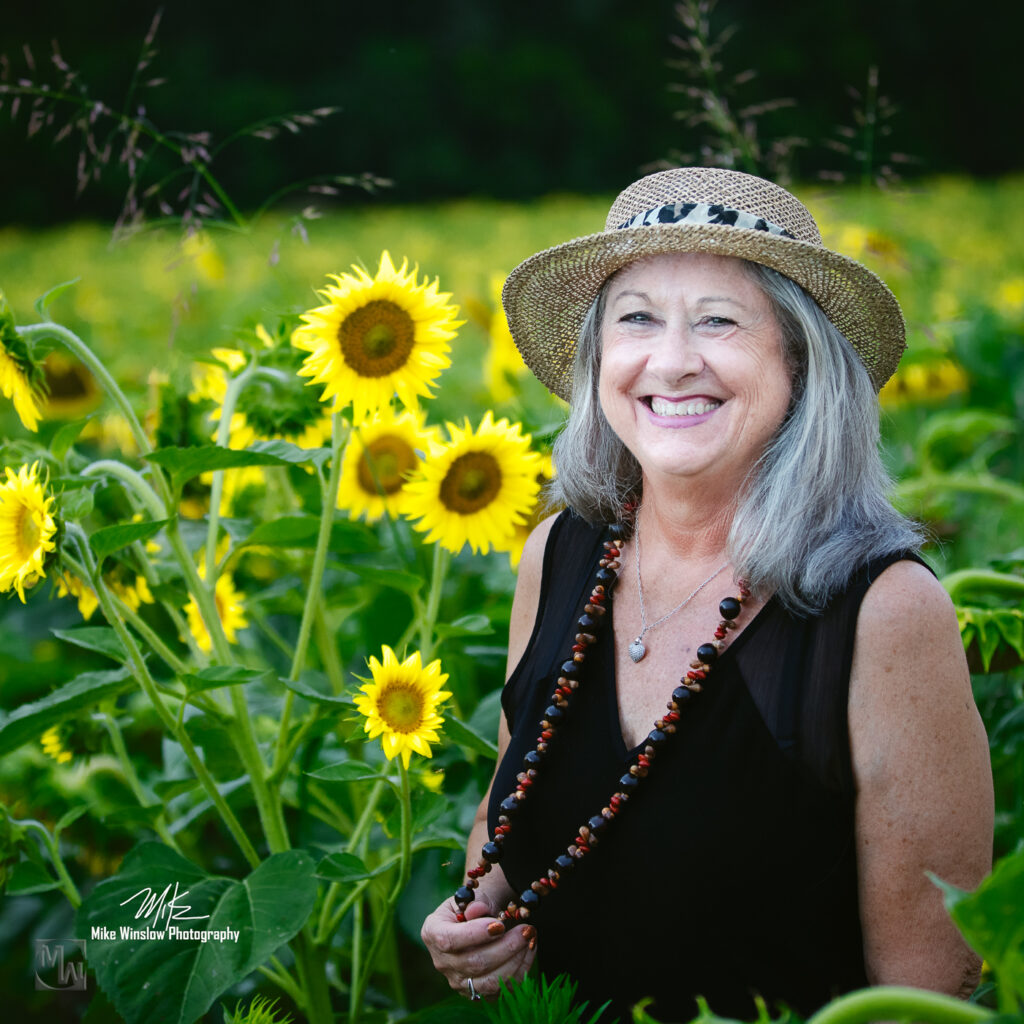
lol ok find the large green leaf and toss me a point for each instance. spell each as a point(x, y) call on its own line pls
point(112, 538)
point(216, 676)
point(101, 639)
point(346, 771)
point(304, 688)
point(185, 463)
point(302, 531)
point(469, 738)
point(345, 868)
point(30, 721)
point(407, 582)
point(174, 979)
point(991, 921)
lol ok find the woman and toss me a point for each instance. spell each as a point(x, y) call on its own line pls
point(769, 835)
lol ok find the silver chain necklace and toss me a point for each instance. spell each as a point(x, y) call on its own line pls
point(637, 650)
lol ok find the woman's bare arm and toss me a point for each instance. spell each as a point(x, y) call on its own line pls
point(924, 782)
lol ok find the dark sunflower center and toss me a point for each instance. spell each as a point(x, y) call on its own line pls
point(376, 339)
point(388, 458)
point(472, 483)
point(401, 707)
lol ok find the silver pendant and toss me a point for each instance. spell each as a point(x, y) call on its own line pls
point(637, 649)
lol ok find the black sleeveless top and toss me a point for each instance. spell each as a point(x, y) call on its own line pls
point(732, 872)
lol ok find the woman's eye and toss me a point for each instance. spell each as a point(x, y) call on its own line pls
point(716, 321)
point(637, 318)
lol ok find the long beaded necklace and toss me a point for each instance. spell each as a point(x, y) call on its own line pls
point(588, 835)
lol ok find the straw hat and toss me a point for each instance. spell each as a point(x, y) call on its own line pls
point(697, 209)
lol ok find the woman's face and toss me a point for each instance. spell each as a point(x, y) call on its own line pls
point(693, 377)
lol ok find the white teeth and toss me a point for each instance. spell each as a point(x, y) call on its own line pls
point(663, 407)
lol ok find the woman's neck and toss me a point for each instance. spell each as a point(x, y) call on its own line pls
point(686, 519)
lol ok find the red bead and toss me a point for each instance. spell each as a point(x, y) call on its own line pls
point(719, 633)
point(696, 674)
point(460, 917)
point(672, 716)
point(547, 734)
point(579, 647)
point(475, 872)
point(642, 760)
point(615, 802)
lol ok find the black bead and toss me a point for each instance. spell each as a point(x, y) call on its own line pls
point(707, 653)
point(656, 737)
point(532, 759)
point(680, 693)
point(554, 714)
point(597, 823)
point(605, 576)
point(491, 852)
point(529, 899)
point(510, 805)
point(617, 531)
point(729, 608)
point(464, 895)
point(564, 862)
point(570, 670)
point(587, 622)
point(629, 782)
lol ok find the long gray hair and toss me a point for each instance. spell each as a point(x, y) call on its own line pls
point(813, 508)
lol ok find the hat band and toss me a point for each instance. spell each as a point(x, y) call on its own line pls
point(703, 213)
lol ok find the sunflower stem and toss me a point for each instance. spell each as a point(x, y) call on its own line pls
point(52, 844)
point(316, 575)
point(76, 346)
point(384, 919)
point(117, 742)
point(442, 559)
point(227, 411)
point(145, 680)
point(132, 480)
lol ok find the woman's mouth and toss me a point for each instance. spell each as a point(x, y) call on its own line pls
point(696, 406)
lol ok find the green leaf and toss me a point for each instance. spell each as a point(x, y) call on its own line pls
point(178, 980)
point(168, 789)
point(466, 737)
point(44, 300)
point(991, 921)
point(304, 689)
point(68, 817)
point(345, 868)
point(302, 531)
point(427, 807)
point(109, 539)
point(468, 625)
point(27, 878)
point(66, 437)
point(76, 504)
point(30, 721)
point(406, 582)
point(186, 463)
point(216, 676)
point(346, 771)
point(101, 639)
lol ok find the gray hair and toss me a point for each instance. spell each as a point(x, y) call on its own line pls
point(813, 508)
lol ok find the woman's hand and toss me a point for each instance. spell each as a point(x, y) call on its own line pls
point(477, 948)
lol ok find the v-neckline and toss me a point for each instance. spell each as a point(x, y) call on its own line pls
point(611, 687)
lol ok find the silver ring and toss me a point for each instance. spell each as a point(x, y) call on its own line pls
point(473, 994)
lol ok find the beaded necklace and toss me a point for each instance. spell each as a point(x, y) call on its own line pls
point(568, 683)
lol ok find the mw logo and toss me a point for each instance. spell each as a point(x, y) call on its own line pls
point(69, 974)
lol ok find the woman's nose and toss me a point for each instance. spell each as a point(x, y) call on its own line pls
point(678, 354)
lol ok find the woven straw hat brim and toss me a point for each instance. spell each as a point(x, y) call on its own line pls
point(547, 296)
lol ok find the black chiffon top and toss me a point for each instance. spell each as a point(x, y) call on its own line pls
point(732, 872)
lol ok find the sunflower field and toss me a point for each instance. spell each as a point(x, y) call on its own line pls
point(263, 495)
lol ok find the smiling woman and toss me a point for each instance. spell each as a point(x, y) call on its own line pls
point(770, 832)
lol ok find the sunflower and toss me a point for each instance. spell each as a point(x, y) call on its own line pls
point(70, 386)
point(376, 337)
point(21, 379)
point(477, 488)
point(401, 703)
point(53, 745)
point(924, 382)
point(380, 456)
point(27, 529)
point(230, 611)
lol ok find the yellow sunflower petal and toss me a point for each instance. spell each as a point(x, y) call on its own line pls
point(400, 704)
point(377, 337)
point(27, 529)
point(476, 489)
